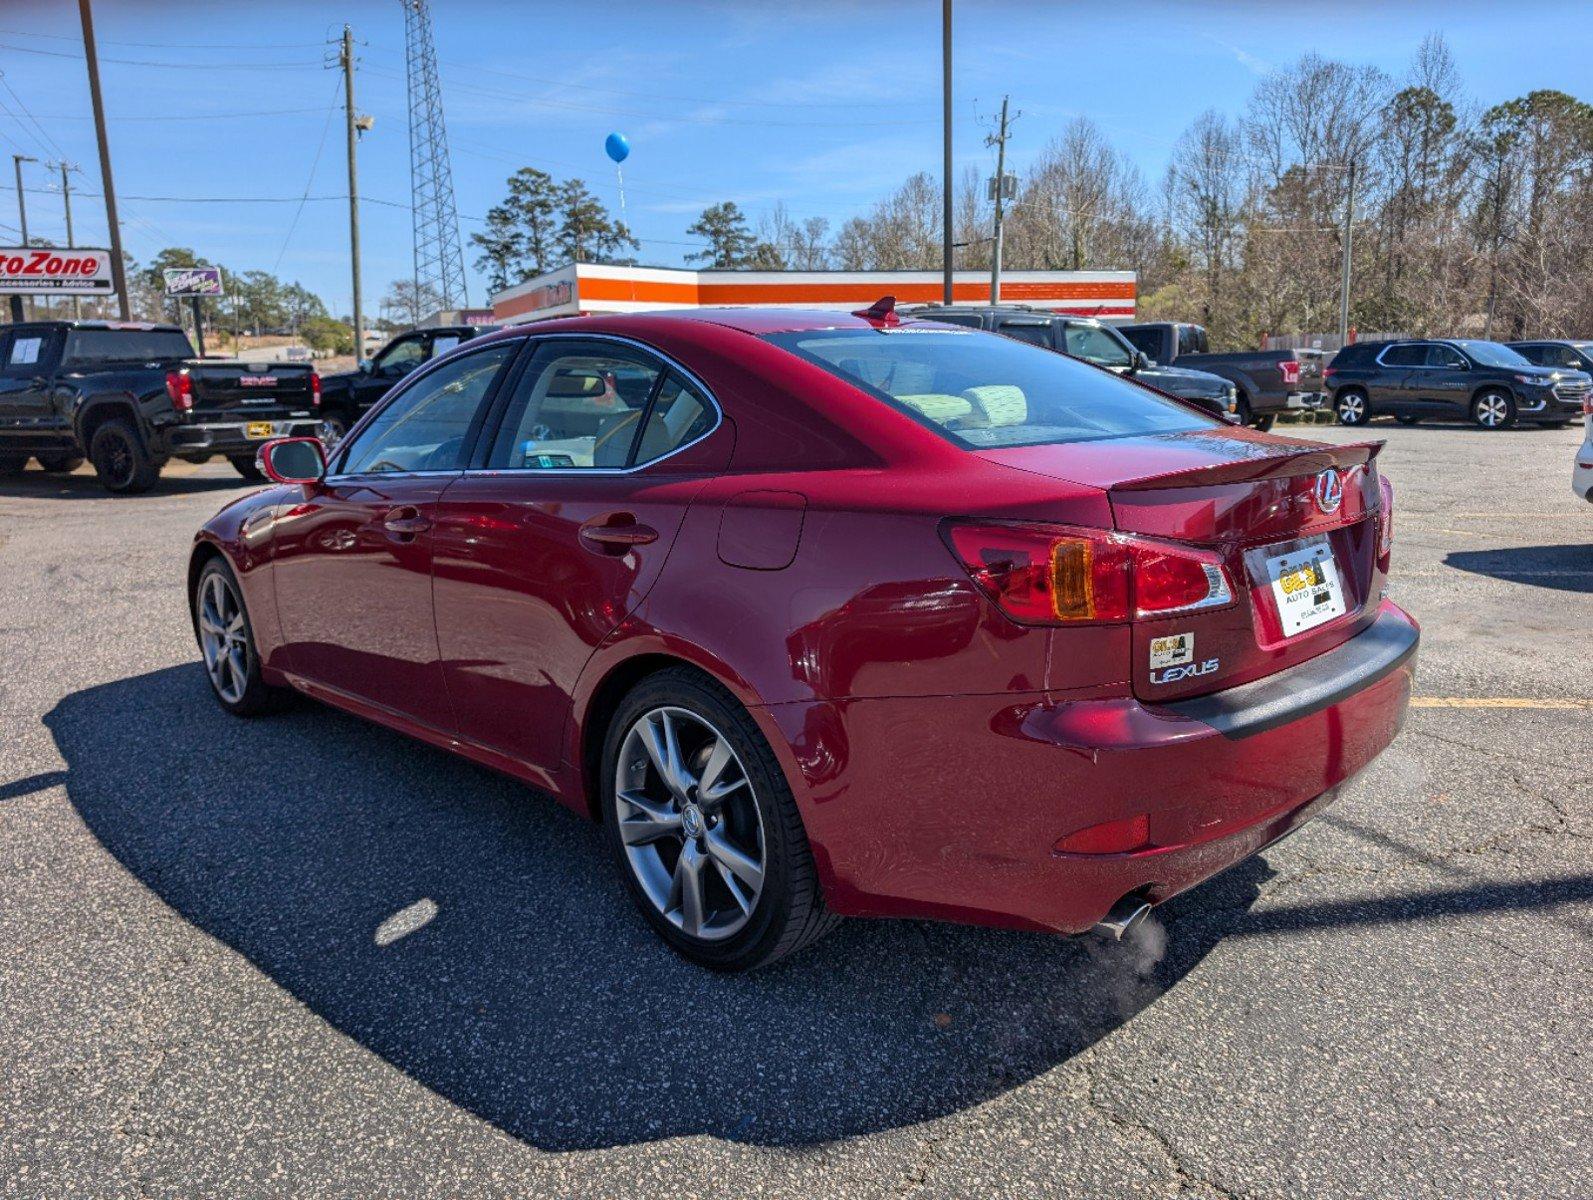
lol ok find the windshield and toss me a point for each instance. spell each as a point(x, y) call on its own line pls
point(1097, 344)
point(983, 391)
point(126, 345)
point(1492, 354)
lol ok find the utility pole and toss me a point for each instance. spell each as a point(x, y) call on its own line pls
point(945, 122)
point(66, 199)
point(22, 215)
point(118, 267)
point(347, 59)
point(999, 141)
point(1344, 282)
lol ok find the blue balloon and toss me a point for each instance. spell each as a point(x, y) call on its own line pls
point(619, 149)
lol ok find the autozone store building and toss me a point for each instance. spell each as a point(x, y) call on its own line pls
point(597, 288)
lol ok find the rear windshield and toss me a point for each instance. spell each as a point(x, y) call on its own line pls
point(126, 345)
point(985, 391)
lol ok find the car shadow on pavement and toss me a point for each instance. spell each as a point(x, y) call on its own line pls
point(472, 933)
point(1564, 568)
point(44, 485)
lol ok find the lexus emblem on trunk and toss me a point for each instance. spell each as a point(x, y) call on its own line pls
point(1329, 490)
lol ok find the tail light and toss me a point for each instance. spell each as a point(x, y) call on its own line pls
point(1057, 575)
point(1385, 525)
point(180, 387)
point(1328, 373)
point(1291, 370)
point(315, 390)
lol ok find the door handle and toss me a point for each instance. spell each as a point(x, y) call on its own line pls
point(405, 521)
point(615, 533)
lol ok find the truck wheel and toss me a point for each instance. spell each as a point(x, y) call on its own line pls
point(13, 464)
point(1265, 421)
point(245, 466)
point(1409, 420)
point(62, 461)
point(1243, 412)
point(334, 427)
point(1493, 409)
point(1352, 408)
point(121, 459)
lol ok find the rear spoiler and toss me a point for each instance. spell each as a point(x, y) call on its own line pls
point(1271, 461)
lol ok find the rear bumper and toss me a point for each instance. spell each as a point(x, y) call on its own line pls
point(232, 437)
point(1308, 401)
point(951, 807)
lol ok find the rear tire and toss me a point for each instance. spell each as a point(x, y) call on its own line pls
point(1243, 411)
point(226, 643)
point(1409, 420)
point(1493, 410)
point(1352, 407)
point(60, 461)
point(678, 878)
point(121, 459)
point(246, 467)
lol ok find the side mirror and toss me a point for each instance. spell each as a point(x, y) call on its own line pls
point(364, 367)
point(1141, 361)
point(293, 460)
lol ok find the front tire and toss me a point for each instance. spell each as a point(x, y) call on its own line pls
point(59, 461)
point(226, 642)
point(1352, 408)
point(245, 466)
point(703, 827)
point(121, 459)
point(1493, 410)
point(1265, 421)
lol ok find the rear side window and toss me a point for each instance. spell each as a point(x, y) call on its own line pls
point(1036, 333)
point(1354, 356)
point(578, 404)
point(1147, 341)
point(85, 347)
point(679, 416)
point(1191, 339)
point(984, 392)
point(1406, 355)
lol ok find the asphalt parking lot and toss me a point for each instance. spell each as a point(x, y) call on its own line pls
point(306, 956)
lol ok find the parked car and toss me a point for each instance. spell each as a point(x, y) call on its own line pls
point(1267, 381)
point(130, 396)
point(346, 395)
point(1451, 379)
point(1093, 341)
point(844, 615)
point(1582, 470)
point(1573, 355)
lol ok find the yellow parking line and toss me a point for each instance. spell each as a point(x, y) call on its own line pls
point(1494, 702)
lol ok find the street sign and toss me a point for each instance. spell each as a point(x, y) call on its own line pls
point(194, 281)
point(36, 271)
point(1009, 187)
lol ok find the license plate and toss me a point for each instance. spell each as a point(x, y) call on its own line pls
point(259, 429)
point(1306, 587)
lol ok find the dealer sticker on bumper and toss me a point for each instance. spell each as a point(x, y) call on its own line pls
point(259, 429)
point(1174, 650)
point(1306, 587)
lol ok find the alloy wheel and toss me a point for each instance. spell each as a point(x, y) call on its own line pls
point(689, 823)
point(1492, 410)
point(223, 637)
point(1352, 409)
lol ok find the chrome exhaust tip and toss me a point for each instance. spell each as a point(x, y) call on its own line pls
point(1126, 913)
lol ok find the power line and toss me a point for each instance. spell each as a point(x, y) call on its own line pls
point(60, 37)
point(309, 182)
point(264, 112)
point(170, 66)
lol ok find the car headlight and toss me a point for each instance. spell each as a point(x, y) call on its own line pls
point(1535, 380)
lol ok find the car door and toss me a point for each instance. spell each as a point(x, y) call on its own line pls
point(1393, 386)
point(352, 561)
point(542, 551)
point(27, 357)
point(1446, 380)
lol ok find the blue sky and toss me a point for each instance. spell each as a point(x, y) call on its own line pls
point(822, 104)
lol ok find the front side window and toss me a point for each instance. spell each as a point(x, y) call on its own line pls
point(578, 404)
point(985, 392)
point(1094, 344)
point(1445, 357)
point(427, 426)
point(402, 357)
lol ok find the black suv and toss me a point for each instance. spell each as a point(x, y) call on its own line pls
point(346, 396)
point(1094, 342)
point(1576, 355)
point(1451, 379)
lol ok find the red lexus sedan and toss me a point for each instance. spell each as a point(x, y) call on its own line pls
point(822, 615)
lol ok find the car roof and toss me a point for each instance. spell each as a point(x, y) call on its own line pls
point(136, 326)
point(755, 321)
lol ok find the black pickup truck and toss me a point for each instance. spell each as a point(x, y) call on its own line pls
point(347, 395)
point(130, 396)
point(1268, 381)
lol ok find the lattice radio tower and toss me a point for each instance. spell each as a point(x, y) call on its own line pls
point(439, 261)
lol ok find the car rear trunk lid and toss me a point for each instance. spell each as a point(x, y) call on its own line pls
point(1294, 522)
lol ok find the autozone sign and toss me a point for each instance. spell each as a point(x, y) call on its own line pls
point(32, 271)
